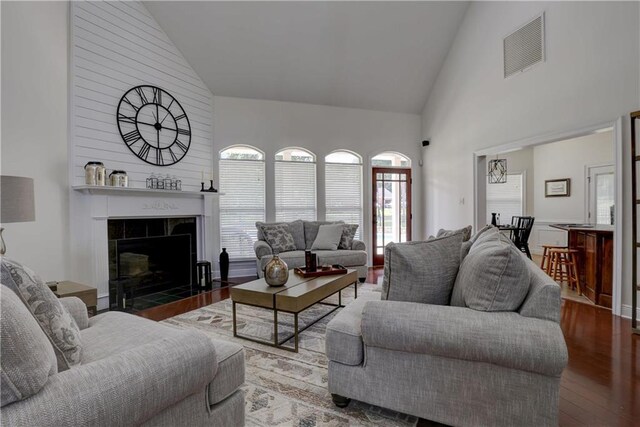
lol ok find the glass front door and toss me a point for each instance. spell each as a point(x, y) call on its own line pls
point(391, 209)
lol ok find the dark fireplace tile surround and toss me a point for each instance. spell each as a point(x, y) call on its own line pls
point(152, 261)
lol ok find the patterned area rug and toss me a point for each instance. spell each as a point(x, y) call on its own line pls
point(285, 388)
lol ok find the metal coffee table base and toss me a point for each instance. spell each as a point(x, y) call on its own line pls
point(296, 331)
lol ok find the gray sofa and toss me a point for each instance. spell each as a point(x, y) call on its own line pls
point(133, 371)
point(452, 363)
point(304, 234)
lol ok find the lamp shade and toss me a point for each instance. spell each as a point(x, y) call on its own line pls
point(17, 201)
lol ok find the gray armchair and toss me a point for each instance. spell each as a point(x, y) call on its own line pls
point(451, 363)
point(133, 372)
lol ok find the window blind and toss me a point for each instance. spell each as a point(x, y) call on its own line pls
point(343, 193)
point(243, 203)
point(295, 190)
point(506, 199)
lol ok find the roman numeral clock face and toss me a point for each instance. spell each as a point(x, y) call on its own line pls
point(154, 126)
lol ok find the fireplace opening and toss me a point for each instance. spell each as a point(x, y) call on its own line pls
point(151, 261)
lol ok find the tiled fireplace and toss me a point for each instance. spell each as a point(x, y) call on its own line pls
point(110, 226)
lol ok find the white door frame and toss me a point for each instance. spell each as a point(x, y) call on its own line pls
point(589, 190)
point(614, 125)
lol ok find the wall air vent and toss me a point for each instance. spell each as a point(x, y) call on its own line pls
point(524, 47)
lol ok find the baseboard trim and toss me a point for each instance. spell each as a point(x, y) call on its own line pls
point(626, 311)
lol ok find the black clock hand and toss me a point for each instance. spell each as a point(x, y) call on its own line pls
point(168, 112)
point(154, 125)
point(157, 114)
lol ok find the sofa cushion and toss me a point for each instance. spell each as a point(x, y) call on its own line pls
point(422, 271)
point(26, 354)
point(344, 335)
point(292, 258)
point(328, 237)
point(54, 319)
point(296, 228)
point(348, 258)
point(115, 332)
point(466, 233)
point(278, 237)
point(493, 276)
point(348, 234)
point(311, 231)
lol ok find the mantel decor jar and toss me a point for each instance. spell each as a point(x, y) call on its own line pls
point(276, 272)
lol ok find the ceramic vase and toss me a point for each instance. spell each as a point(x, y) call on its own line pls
point(224, 265)
point(276, 272)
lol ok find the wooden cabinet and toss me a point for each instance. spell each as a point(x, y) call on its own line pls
point(595, 262)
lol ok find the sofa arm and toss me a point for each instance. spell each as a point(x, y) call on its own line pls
point(358, 245)
point(124, 389)
point(77, 309)
point(262, 248)
point(502, 338)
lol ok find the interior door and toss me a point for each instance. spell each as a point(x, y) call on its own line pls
point(601, 194)
point(391, 209)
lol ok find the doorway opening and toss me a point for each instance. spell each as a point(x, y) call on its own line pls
point(391, 202)
point(570, 210)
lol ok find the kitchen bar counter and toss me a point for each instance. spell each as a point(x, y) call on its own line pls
point(595, 259)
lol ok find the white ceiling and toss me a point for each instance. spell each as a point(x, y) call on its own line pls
point(372, 55)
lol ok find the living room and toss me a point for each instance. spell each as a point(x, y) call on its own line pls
point(313, 82)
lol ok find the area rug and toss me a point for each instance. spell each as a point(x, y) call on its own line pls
point(281, 387)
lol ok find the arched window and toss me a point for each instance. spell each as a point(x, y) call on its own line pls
point(343, 188)
point(295, 184)
point(391, 159)
point(242, 172)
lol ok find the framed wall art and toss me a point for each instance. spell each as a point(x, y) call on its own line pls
point(557, 187)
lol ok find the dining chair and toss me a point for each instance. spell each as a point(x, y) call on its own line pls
point(520, 235)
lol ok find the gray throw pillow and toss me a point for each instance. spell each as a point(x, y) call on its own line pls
point(278, 237)
point(54, 319)
point(494, 276)
point(348, 234)
point(421, 271)
point(481, 232)
point(466, 232)
point(26, 355)
point(328, 237)
point(311, 231)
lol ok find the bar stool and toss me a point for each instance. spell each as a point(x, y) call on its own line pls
point(204, 274)
point(564, 267)
point(545, 264)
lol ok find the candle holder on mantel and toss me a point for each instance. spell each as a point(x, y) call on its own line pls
point(210, 189)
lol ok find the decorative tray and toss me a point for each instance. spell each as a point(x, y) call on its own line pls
point(320, 272)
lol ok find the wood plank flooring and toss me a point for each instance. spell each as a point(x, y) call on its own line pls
point(599, 387)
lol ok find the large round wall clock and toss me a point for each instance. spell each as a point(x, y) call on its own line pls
point(154, 126)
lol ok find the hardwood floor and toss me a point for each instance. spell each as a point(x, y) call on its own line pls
point(599, 387)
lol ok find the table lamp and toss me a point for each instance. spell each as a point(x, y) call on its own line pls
point(17, 202)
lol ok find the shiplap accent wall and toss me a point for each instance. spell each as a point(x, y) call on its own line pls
point(114, 47)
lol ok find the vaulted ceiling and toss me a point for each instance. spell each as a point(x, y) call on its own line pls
point(372, 55)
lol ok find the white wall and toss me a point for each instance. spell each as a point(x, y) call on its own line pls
point(591, 76)
point(34, 129)
point(568, 159)
point(272, 125)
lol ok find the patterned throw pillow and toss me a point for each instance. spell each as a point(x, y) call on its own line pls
point(54, 319)
point(278, 237)
point(348, 234)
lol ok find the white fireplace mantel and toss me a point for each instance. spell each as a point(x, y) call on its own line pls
point(94, 206)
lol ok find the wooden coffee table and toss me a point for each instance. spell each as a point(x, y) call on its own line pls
point(296, 295)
